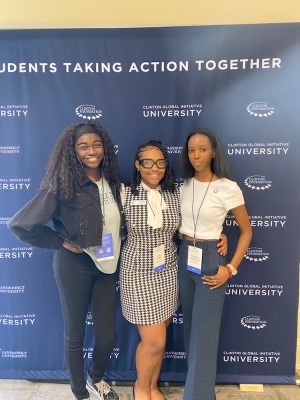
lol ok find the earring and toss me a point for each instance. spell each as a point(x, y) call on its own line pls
point(213, 156)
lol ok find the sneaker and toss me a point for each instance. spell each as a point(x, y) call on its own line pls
point(101, 389)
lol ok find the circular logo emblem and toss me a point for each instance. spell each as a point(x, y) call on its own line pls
point(253, 322)
point(88, 111)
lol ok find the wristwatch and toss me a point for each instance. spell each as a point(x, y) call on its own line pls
point(233, 271)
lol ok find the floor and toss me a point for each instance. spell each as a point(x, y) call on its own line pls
point(24, 390)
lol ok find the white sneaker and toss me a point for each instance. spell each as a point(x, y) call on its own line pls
point(101, 389)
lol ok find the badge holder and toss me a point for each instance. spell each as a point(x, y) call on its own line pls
point(106, 251)
point(159, 262)
point(194, 262)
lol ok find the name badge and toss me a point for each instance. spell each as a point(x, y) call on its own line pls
point(106, 251)
point(159, 262)
point(138, 202)
point(194, 262)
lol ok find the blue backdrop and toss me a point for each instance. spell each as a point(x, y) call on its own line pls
point(243, 82)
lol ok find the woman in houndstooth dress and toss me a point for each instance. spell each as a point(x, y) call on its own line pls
point(149, 298)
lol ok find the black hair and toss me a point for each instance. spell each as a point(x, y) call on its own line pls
point(167, 182)
point(219, 164)
point(64, 172)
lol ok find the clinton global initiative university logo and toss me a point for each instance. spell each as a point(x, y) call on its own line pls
point(88, 111)
point(171, 110)
point(268, 221)
point(115, 353)
point(251, 357)
point(236, 289)
point(177, 318)
point(14, 183)
point(260, 109)
point(174, 149)
point(17, 320)
point(13, 354)
point(88, 353)
point(13, 110)
point(12, 289)
point(16, 252)
point(260, 221)
point(253, 322)
point(175, 355)
point(258, 149)
point(10, 149)
point(257, 182)
point(4, 220)
point(256, 254)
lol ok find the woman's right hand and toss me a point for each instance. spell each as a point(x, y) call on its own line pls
point(72, 247)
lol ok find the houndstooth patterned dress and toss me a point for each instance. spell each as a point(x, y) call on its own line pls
point(149, 297)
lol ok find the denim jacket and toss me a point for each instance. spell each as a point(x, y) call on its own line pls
point(78, 220)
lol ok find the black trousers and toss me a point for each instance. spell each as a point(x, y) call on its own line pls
point(81, 285)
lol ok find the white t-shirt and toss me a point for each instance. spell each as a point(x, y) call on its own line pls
point(222, 195)
point(112, 219)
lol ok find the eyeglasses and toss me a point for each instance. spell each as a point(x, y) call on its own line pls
point(148, 163)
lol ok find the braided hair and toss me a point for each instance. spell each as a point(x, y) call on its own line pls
point(167, 182)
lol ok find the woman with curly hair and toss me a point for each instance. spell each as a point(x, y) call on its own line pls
point(80, 193)
point(148, 274)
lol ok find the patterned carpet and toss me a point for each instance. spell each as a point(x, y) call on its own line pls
point(24, 390)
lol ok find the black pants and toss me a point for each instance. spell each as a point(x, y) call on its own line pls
point(81, 284)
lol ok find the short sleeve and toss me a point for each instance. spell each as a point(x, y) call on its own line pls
point(234, 196)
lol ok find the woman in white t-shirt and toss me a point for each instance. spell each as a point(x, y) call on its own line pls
point(206, 198)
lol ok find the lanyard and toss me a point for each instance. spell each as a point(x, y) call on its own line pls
point(195, 222)
point(102, 208)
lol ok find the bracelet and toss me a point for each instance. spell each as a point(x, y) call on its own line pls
point(232, 269)
point(229, 271)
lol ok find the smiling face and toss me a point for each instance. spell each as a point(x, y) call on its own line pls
point(151, 176)
point(89, 150)
point(200, 153)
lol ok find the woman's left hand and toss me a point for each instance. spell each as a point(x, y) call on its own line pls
point(222, 245)
point(217, 280)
